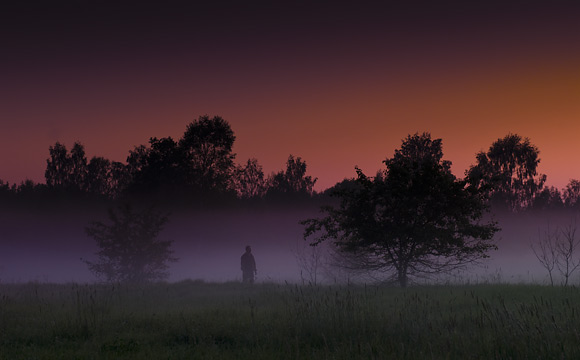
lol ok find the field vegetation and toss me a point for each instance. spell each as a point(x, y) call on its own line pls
point(197, 320)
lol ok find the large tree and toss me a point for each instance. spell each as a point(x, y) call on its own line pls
point(207, 144)
point(415, 219)
point(198, 167)
point(509, 172)
point(129, 247)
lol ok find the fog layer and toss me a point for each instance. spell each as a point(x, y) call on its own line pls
point(49, 246)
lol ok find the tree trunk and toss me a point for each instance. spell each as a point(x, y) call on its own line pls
point(403, 277)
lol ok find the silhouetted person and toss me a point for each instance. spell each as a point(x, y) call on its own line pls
point(248, 266)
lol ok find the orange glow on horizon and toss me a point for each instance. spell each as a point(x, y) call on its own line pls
point(339, 91)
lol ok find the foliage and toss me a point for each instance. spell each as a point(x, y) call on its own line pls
point(66, 171)
point(106, 178)
point(197, 166)
point(196, 170)
point(71, 173)
point(414, 220)
point(4, 189)
point(293, 181)
point(549, 198)
point(158, 171)
point(508, 171)
point(98, 175)
point(249, 180)
point(130, 250)
point(571, 196)
point(208, 143)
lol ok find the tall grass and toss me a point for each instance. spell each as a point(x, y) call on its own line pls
point(196, 320)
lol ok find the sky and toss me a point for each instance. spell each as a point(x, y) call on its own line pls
point(339, 84)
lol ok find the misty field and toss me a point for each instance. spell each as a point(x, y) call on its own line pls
point(196, 320)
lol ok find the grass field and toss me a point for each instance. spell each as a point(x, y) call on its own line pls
point(196, 320)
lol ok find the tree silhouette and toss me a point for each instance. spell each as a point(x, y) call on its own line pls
point(415, 220)
point(66, 171)
point(106, 178)
point(70, 173)
point(508, 170)
point(98, 176)
point(130, 250)
point(158, 171)
point(5, 191)
point(548, 199)
point(558, 250)
point(25, 192)
point(249, 180)
point(571, 196)
point(78, 167)
point(197, 167)
point(207, 144)
point(293, 181)
point(57, 166)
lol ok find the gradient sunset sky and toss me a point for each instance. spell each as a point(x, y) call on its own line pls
point(336, 83)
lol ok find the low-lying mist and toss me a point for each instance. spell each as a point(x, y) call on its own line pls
point(50, 246)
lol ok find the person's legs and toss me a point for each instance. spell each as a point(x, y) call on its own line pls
point(248, 276)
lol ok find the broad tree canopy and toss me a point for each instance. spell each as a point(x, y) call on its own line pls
point(129, 247)
point(413, 219)
point(208, 143)
point(509, 172)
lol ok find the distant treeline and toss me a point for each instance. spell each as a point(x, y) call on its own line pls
point(199, 170)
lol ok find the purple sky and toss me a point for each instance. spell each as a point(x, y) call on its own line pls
point(337, 83)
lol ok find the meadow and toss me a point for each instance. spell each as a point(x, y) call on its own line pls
point(197, 320)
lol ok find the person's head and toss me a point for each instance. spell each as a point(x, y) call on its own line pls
point(248, 249)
